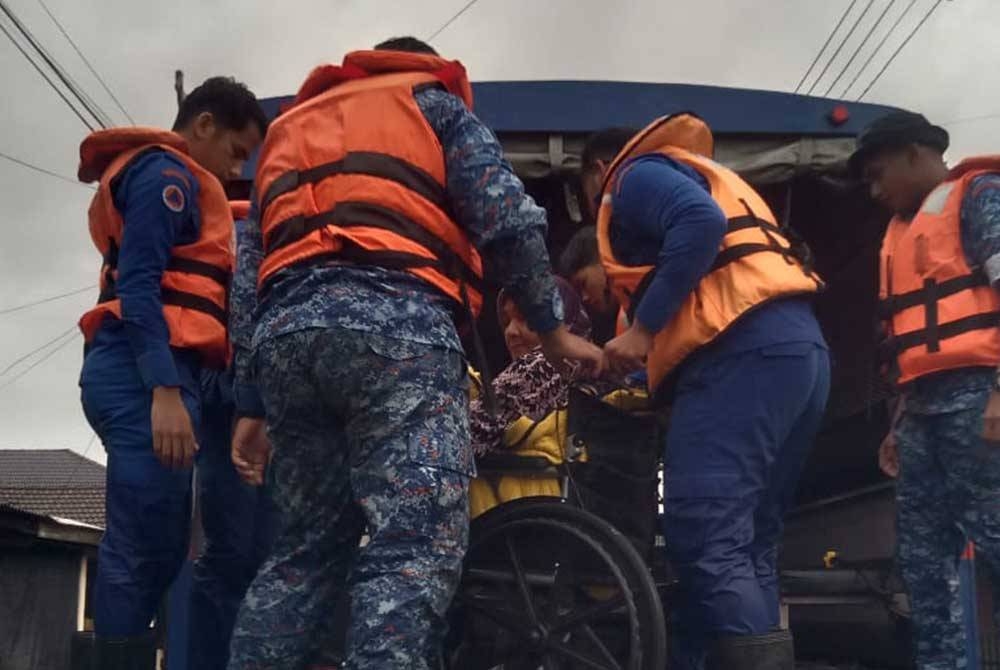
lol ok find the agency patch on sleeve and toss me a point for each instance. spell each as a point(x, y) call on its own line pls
point(173, 198)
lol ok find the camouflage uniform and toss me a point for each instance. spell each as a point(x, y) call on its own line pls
point(362, 375)
point(383, 438)
point(949, 483)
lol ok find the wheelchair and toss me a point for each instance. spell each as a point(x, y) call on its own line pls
point(561, 570)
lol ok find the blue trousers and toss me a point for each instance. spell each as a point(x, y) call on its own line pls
point(741, 429)
point(237, 520)
point(148, 507)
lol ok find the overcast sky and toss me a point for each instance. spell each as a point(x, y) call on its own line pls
point(948, 72)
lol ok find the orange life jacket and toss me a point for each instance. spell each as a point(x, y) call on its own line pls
point(240, 209)
point(941, 313)
point(193, 288)
point(756, 262)
point(352, 172)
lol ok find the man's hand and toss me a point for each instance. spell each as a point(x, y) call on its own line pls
point(627, 353)
point(991, 419)
point(888, 455)
point(560, 346)
point(173, 436)
point(251, 449)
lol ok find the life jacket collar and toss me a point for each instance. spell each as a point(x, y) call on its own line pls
point(977, 163)
point(683, 130)
point(361, 64)
point(100, 148)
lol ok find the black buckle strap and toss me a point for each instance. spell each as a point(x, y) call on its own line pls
point(367, 163)
point(895, 304)
point(351, 214)
point(915, 338)
point(195, 302)
point(190, 266)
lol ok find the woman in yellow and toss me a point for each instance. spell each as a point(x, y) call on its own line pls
point(530, 386)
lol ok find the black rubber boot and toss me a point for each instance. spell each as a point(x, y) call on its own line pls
point(773, 651)
point(126, 653)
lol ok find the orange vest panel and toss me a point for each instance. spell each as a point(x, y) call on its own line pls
point(354, 173)
point(942, 314)
point(194, 285)
point(756, 262)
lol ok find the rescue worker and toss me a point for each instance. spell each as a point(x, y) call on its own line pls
point(580, 263)
point(939, 272)
point(718, 301)
point(237, 519)
point(378, 189)
point(161, 221)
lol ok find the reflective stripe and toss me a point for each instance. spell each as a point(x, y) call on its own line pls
point(367, 163)
point(354, 214)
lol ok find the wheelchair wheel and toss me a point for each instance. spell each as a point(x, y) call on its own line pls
point(550, 586)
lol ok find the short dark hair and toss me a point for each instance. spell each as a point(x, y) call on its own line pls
point(232, 104)
point(580, 252)
point(409, 44)
point(604, 145)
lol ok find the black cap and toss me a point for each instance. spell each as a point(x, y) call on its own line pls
point(896, 129)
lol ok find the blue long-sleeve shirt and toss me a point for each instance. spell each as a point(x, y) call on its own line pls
point(488, 202)
point(157, 197)
point(665, 217)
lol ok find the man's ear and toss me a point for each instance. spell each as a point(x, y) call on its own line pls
point(203, 127)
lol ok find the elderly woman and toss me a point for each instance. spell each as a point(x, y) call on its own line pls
point(530, 386)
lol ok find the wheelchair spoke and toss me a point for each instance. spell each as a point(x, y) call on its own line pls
point(596, 641)
point(589, 614)
point(566, 651)
point(522, 582)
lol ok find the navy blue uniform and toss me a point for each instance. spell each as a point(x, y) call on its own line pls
point(745, 413)
point(148, 505)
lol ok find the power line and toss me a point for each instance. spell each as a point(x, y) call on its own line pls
point(826, 44)
point(860, 46)
point(66, 342)
point(85, 101)
point(843, 42)
point(50, 173)
point(48, 80)
point(90, 67)
point(900, 48)
point(34, 303)
point(885, 38)
point(454, 18)
point(36, 350)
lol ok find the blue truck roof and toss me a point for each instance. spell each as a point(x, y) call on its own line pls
point(586, 106)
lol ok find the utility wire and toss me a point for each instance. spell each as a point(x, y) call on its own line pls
point(42, 170)
point(829, 39)
point(90, 67)
point(860, 46)
point(36, 350)
point(34, 303)
point(84, 121)
point(450, 21)
point(66, 342)
point(843, 42)
point(871, 56)
point(900, 48)
point(88, 104)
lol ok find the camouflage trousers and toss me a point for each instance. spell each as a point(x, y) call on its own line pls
point(368, 433)
point(948, 490)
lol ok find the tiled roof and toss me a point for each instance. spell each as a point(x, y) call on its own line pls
point(53, 482)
